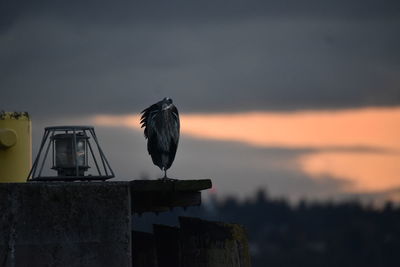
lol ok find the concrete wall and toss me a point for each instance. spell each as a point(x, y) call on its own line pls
point(65, 224)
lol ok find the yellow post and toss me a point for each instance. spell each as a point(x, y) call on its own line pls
point(15, 146)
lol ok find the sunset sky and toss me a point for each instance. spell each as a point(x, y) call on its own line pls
point(361, 146)
point(300, 98)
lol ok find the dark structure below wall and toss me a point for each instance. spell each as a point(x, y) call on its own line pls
point(89, 224)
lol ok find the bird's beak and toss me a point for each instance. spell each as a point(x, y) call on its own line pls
point(166, 106)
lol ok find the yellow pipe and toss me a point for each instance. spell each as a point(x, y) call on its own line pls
point(15, 146)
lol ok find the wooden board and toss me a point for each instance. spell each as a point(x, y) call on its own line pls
point(158, 195)
point(170, 185)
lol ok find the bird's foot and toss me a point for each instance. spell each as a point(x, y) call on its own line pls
point(166, 179)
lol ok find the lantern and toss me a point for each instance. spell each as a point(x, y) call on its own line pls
point(71, 149)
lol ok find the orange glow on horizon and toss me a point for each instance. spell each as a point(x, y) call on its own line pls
point(367, 171)
point(375, 128)
point(369, 127)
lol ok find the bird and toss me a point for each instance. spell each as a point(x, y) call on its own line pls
point(161, 129)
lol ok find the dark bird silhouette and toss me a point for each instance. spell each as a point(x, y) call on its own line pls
point(161, 129)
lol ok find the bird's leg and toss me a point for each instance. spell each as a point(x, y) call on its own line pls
point(165, 178)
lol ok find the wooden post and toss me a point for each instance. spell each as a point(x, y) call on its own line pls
point(143, 250)
point(167, 243)
point(213, 244)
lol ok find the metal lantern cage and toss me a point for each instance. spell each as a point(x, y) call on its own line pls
point(71, 148)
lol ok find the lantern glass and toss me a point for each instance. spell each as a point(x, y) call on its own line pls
point(65, 160)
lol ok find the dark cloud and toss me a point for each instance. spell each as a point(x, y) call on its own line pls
point(73, 57)
point(188, 11)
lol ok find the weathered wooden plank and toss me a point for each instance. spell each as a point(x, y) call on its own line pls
point(158, 202)
point(159, 195)
point(185, 199)
point(170, 185)
point(213, 244)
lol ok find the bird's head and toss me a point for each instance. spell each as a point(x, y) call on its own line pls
point(166, 103)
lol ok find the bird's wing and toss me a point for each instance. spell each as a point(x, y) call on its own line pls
point(147, 114)
point(176, 128)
